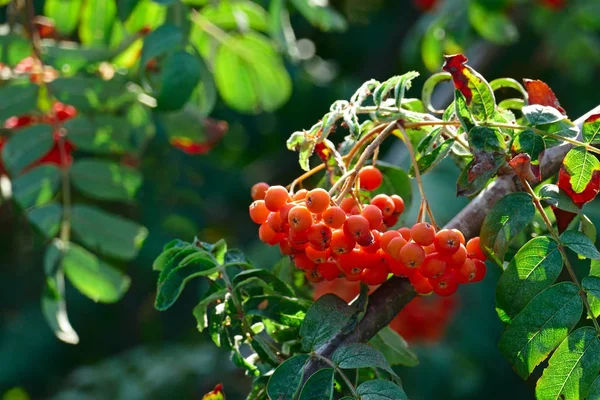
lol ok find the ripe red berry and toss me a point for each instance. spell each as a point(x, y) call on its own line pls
point(433, 266)
point(357, 227)
point(276, 223)
point(317, 256)
point(397, 268)
point(474, 249)
point(313, 276)
point(386, 237)
point(340, 243)
point(457, 259)
point(348, 204)
point(373, 215)
point(370, 178)
point(398, 204)
point(299, 218)
point(303, 262)
point(391, 220)
point(375, 274)
point(285, 211)
point(300, 194)
point(317, 200)
point(445, 285)
point(423, 233)
point(412, 255)
point(328, 270)
point(319, 236)
point(276, 197)
point(259, 190)
point(334, 217)
point(259, 212)
point(285, 248)
point(375, 243)
point(384, 203)
point(420, 283)
point(268, 235)
point(447, 242)
point(481, 270)
point(467, 271)
point(352, 263)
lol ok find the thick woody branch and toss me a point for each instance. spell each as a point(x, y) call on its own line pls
point(393, 295)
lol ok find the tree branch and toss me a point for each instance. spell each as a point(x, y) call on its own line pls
point(394, 294)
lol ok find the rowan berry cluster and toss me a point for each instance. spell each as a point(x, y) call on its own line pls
point(357, 241)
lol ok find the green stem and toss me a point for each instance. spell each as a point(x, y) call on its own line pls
point(338, 371)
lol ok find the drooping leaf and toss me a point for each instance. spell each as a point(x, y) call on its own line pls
point(319, 386)
point(105, 180)
point(394, 348)
point(285, 382)
point(380, 389)
point(65, 14)
point(506, 219)
point(106, 233)
point(492, 25)
point(324, 319)
point(321, 15)
point(556, 197)
point(534, 268)
point(36, 187)
point(591, 129)
point(540, 93)
point(580, 244)
point(528, 142)
point(93, 277)
point(26, 146)
point(97, 19)
point(580, 164)
point(541, 326)
point(283, 310)
point(360, 355)
point(572, 368)
point(398, 85)
point(536, 114)
point(591, 285)
point(180, 74)
point(201, 308)
point(475, 176)
point(241, 15)
point(46, 218)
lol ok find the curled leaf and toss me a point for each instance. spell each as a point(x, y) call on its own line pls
point(540, 93)
point(524, 169)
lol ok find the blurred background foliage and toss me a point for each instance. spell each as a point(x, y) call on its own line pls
point(268, 81)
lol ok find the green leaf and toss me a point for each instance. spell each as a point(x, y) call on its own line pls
point(492, 25)
point(432, 158)
point(594, 393)
point(380, 389)
point(26, 146)
point(242, 15)
point(556, 197)
point(528, 142)
point(200, 309)
point(394, 348)
point(17, 100)
point(97, 19)
point(483, 103)
point(168, 253)
point(321, 15)
point(572, 368)
point(564, 128)
point(431, 47)
point(580, 244)
point(36, 187)
point(146, 13)
point(46, 218)
point(180, 74)
point(285, 381)
point(163, 40)
point(324, 319)
point(94, 278)
point(104, 134)
point(54, 308)
point(193, 266)
point(105, 180)
point(360, 355)
point(106, 233)
point(462, 111)
point(89, 94)
point(171, 258)
point(541, 326)
point(319, 386)
point(591, 129)
point(537, 114)
point(591, 285)
point(484, 139)
point(580, 165)
point(250, 75)
point(398, 84)
point(509, 216)
point(65, 14)
point(534, 268)
point(283, 310)
point(587, 227)
point(266, 276)
point(395, 181)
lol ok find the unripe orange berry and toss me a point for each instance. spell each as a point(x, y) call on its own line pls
point(340, 243)
point(259, 190)
point(299, 218)
point(373, 215)
point(447, 242)
point(334, 217)
point(460, 235)
point(370, 178)
point(259, 212)
point(317, 200)
point(348, 204)
point(467, 271)
point(384, 203)
point(433, 266)
point(420, 283)
point(474, 249)
point(276, 223)
point(398, 204)
point(276, 197)
point(457, 259)
point(405, 232)
point(300, 194)
point(412, 255)
point(386, 237)
point(423, 233)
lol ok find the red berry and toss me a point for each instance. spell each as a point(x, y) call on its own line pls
point(352, 263)
point(276, 197)
point(300, 194)
point(373, 215)
point(340, 243)
point(285, 248)
point(259, 212)
point(334, 217)
point(317, 200)
point(445, 285)
point(276, 223)
point(447, 242)
point(348, 204)
point(259, 190)
point(433, 266)
point(317, 256)
point(420, 283)
point(328, 270)
point(370, 178)
point(299, 218)
point(319, 236)
point(398, 204)
point(313, 276)
point(303, 262)
point(481, 270)
point(384, 203)
point(412, 255)
point(394, 246)
point(375, 274)
point(423, 233)
point(474, 249)
point(375, 243)
point(357, 227)
point(467, 271)
point(405, 232)
point(457, 259)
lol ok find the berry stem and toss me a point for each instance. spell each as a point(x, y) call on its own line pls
point(561, 249)
point(338, 371)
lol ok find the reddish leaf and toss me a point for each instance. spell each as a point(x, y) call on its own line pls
point(455, 66)
point(18, 122)
point(540, 93)
point(564, 218)
point(323, 152)
point(216, 394)
point(483, 162)
point(214, 131)
point(522, 166)
point(54, 156)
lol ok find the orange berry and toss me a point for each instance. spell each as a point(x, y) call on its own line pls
point(319, 236)
point(370, 178)
point(481, 270)
point(397, 268)
point(373, 215)
point(259, 212)
point(297, 237)
point(348, 204)
point(298, 247)
point(268, 235)
point(433, 266)
point(303, 262)
point(276, 223)
point(352, 263)
point(328, 270)
point(467, 271)
point(299, 218)
point(445, 285)
point(398, 204)
point(285, 248)
point(423, 233)
point(334, 217)
point(429, 249)
point(391, 220)
point(420, 283)
point(447, 242)
point(412, 255)
point(317, 200)
point(375, 244)
point(317, 256)
point(394, 246)
point(340, 243)
point(285, 211)
point(259, 190)
point(357, 227)
point(474, 249)
point(457, 259)
point(386, 238)
point(276, 197)
point(384, 203)
point(460, 235)
point(300, 194)
point(375, 274)
point(405, 232)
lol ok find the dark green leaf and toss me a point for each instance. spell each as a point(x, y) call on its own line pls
point(541, 326)
point(285, 381)
point(97, 19)
point(380, 389)
point(556, 197)
point(26, 146)
point(360, 355)
point(267, 277)
point(594, 393)
point(93, 277)
point(172, 258)
point(193, 266)
point(46, 218)
point(283, 310)
point(564, 128)
point(433, 157)
point(54, 308)
point(591, 129)
point(105, 180)
point(587, 227)
point(493, 25)
point(201, 307)
point(394, 348)
point(580, 165)
point(180, 74)
point(535, 267)
point(105, 134)
point(528, 142)
point(163, 40)
point(324, 319)
point(65, 14)
point(591, 285)
point(572, 368)
point(321, 15)
point(509, 216)
point(398, 84)
point(537, 114)
point(462, 111)
point(580, 244)
point(168, 255)
point(469, 183)
point(107, 233)
point(319, 386)
point(36, 187)
point(17, 100)
point(482, 138)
